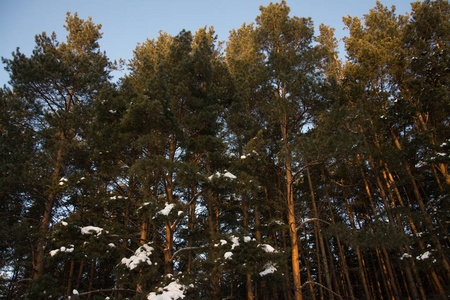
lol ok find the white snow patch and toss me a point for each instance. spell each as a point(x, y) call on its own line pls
point(112, 245)
point(63, 223)
point(278, 222)
point(229, 175)
point(218, 175)
point(222, 242)
point(228, 255)
point(267, 248)
point(418, 234)
point(247, 239)
point(424, 256)
point(235, 242)
point(249, 154)
point(269, 268)
point(91, 230)
point(69, 249)
point(172, 291)
point(166, 210)
point(75, 292)
point(405, 255)
point(141, 255)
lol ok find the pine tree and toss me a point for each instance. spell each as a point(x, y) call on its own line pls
point(60, 81)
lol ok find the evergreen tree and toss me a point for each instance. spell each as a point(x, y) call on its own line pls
point(60, 81)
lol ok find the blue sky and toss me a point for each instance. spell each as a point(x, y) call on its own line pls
point(126, 23)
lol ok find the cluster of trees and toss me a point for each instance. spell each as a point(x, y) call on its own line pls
point(265, 168)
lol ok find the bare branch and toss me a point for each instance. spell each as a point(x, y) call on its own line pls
point(109, 291)
point(175, 224)
point(309, 221)
point(313, 163)
point(322, 286)
point(185, 249)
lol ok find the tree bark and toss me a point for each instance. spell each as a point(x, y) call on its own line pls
point(291, 212)
point(38, 264)
point(319, 235)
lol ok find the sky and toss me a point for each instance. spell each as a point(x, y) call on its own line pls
point(126, 23)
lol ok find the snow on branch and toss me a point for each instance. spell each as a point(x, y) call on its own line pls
point(219, 175)
point(172, 291)
point(269, 268)
point(141, 255)
point(91, 230)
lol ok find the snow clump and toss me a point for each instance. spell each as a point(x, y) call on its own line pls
point(62, 249)
point(226, 175)
point(222, 242)
point(269, 268)
point(166, 210)
point(91, 230)
point(141, 255)
point(172, 291)
point(424, 256)
point(405, 255)
point(267, 248)
point(228, 255)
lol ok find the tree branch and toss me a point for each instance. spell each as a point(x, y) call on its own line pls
point(304, 167)
point(185, 249)
point(108, 291)
point(322, 286)
point(309, 221)
point(174, 225)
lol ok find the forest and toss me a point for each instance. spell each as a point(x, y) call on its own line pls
point(263, 167)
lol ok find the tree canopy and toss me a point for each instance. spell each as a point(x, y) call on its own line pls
point(263, 168)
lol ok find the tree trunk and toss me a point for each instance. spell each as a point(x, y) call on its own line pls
point(343, 259)
point(69, 283)
point(319, 236)
point(91, 280)
point(38, 264)
point(361, 262)
point(291, 213)
point(191, 224)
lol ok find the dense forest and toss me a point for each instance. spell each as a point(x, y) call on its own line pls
point(260, 168)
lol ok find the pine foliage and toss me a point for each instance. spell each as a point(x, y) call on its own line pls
point(263, 168)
